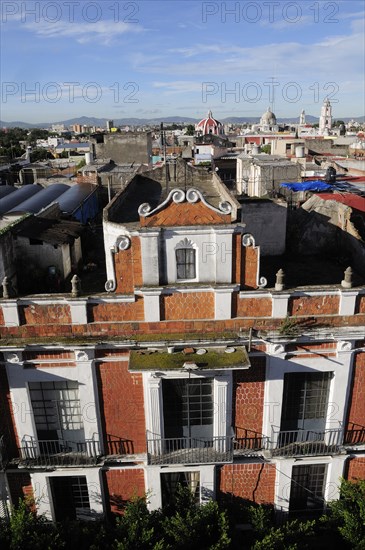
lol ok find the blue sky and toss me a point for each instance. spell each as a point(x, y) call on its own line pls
point(61, 59)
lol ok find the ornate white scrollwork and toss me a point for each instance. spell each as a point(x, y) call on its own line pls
point(81, 355)
point(110, 285)
point(276, 349)
point(248, 240)
point(185, 243)
point(262, 282)
point(344, 346)
point(192, 195)
point(178, 196)
point(123, 242)
point(13, 357)
point(144, 209)
point(225, 207)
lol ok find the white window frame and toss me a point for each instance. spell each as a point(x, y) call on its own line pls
point(187, 244)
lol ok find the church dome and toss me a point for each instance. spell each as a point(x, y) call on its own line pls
point(209, 125)
point(268, 118)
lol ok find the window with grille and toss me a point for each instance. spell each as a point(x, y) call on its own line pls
point(70, 497)
point(305, 396)
point(307, 487)
point(171, 481)
point(185, 263)
point(56, 406)
point(187, 403)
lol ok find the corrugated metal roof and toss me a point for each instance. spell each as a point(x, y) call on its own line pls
point(42, 199)
point(73, 197)
point(22, 194)
point(5, 190)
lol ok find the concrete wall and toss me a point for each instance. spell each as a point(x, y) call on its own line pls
point(123, 148)
point(7, 264)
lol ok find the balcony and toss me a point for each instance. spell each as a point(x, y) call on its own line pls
point(46, 453)
point(249, 443)
point(306, 442)
point(354, 435)
point(189, 450)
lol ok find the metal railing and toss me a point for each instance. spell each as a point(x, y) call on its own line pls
point(354, 434)
point(306, 442)
point(189, 450)
point(248, 442)
point(59, 453)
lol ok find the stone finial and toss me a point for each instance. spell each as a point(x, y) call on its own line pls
point(347, 281)
point(6, 287)
point(75, 286)
point(280, 280)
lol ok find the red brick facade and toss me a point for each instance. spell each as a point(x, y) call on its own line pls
point(356, 469)
point(122, 486)
point(248, 399)
point(250, 266)
point(36, 314)
point(254, 482)
point(128, 267)
point(313, 305)
point(102, 312)
point(121, 401)
point(357, 401)
point(192, 305)
point(252, 307)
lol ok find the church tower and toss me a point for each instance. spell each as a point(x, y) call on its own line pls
point(325, 120)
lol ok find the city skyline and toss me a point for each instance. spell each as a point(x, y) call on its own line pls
point(139, 59)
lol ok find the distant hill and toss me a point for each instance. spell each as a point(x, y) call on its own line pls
point(101, 122)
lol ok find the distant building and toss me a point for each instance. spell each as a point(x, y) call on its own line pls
point(109, 125)
point(209, 125)
point(325, 120)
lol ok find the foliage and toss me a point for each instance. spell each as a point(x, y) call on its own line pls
point(28, 531)
point(39, 153)
point(266, 148)
point(190, 130)
point(291, 536)
point(289, 327)
point(348, 513)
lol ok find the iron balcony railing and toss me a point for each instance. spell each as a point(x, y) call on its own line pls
point(354, 434)
point(189, 450)
point(43, 453)
point(306, 442)
point(248, 442)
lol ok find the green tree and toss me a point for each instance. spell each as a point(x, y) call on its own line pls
point(348, 513)
point(190, 130)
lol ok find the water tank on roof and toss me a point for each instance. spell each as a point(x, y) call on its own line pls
point(88, 158)
point(299, 151)
point(330, 176)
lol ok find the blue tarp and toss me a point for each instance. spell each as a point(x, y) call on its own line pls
point(317, 185)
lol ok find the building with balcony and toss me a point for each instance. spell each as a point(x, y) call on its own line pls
point(197, 365)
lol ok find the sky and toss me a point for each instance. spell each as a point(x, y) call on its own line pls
point(148, 59)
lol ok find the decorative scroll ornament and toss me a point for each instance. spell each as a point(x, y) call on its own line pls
point(344, 346)
point(262, 282)
point(123, 242)
point(13, 358)
point(248, 240)
point(144, 209)
point(185, 243)
point(178, 195)
point(110, 285)
point(225, 207)
point(276, 349)
point(192, 195)
point(81, 355)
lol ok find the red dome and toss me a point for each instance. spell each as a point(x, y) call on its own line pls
point(209, 125)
